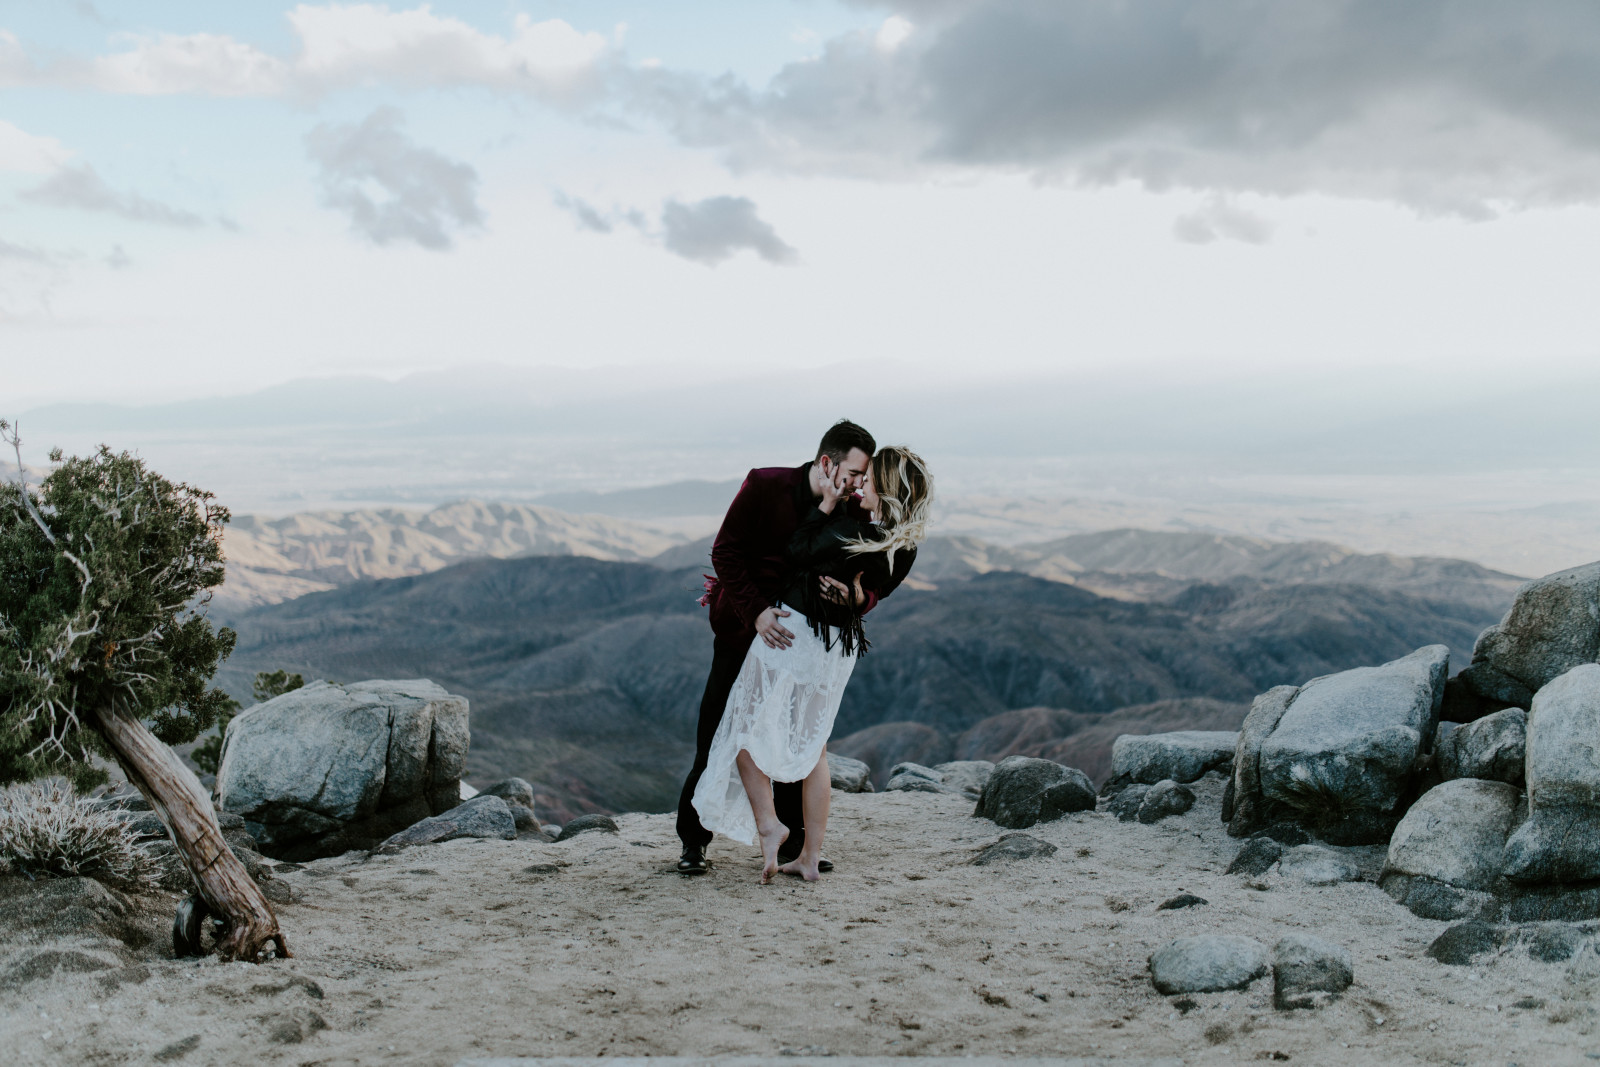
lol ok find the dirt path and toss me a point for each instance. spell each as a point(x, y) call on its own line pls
point(596, 946)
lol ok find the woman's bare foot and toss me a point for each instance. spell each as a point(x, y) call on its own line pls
point(773, 835)
point(802, 866)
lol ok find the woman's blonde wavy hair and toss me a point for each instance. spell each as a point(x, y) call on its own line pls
point(905, 493)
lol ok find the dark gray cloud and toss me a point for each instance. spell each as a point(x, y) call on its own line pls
point(391, 188)
point(710, 231)
point(80, 187)
point(1459, 106)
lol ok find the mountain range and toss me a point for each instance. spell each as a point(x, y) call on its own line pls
point(585, 674)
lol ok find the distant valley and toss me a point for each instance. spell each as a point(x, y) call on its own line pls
point(584, 672)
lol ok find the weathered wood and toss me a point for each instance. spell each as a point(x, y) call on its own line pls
point(175, 795)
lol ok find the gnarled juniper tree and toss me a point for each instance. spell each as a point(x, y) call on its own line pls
point(104, 577)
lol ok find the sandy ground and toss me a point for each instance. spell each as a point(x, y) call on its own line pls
point(596, 946)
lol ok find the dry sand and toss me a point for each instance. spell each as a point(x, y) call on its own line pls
point(596, 946)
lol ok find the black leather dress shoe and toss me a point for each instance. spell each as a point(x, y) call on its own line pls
point(693, 860)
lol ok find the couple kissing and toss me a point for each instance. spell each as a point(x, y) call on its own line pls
point(803, 555)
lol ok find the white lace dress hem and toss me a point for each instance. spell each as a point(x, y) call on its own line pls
point(781, 711)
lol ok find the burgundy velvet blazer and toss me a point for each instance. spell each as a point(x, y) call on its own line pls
point(748, 554)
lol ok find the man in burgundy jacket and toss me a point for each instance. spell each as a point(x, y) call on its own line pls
point(748, 556)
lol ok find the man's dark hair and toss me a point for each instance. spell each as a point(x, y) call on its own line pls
point(841, 437)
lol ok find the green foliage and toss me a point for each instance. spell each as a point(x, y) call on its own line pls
point(103, 580)
point(269, 684)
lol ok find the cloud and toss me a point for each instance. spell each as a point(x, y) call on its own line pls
point(340, 46)
point(1461, 106)
point(709, 231)
point(206, 63)
point(1219, 220)
point(584, 213)
point(118, 259)
point(23, 253)
point(358, 44)
point(82, 188)
point(28, 153)
point(422, 196)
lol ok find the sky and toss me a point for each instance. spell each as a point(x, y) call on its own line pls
point(201, 199)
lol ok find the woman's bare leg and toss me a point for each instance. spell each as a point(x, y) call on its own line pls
point(758, 787)
point(816, 795)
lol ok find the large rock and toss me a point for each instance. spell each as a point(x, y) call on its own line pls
point(482, 816)
point(1552, 627)
point(1243, 808)
point(1209, 963)
point(1182, 756)
point(1316, 865)
point(1560, 842)
point(1023, 791)
point(1445, 857)
point(1339, 753)
point(1492, 748)
point(849, 775)
point(327, 768)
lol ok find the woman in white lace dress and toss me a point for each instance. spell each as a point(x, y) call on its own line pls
point(781, 710)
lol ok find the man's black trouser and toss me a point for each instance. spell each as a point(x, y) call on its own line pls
point(727, 656)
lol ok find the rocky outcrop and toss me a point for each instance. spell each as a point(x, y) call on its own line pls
point(1181, 756)
point(1560, 841)
point(328, 768)
point(1552, 627)
point(1023, 791)
point(1339, 753)
point(1446, 855)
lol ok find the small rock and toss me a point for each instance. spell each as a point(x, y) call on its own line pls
point(914, 783)
point(482, 816)
point(511, 790)
point(1308, 972)
point(177, 1049)
point(587, 822)
point(1182, 900)
point(967, 776)
point(1125, 805)
point(143, 824)
point(1460, 944)
point(1023, 791)
point(293, 1027)
point(527, 822)
point(1315, 865)
point(915, 769)
point(1013, 847)
point(1552, 942)
point(1165, 798)
point(849, 775)
point(1182, 756)
point(47, 962)
point(1209, 963)
point(1256, 857)
point(1493, 748)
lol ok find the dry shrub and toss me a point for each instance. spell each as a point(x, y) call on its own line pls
point(47, 830)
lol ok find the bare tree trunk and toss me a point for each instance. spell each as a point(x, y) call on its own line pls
point(178, 800)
